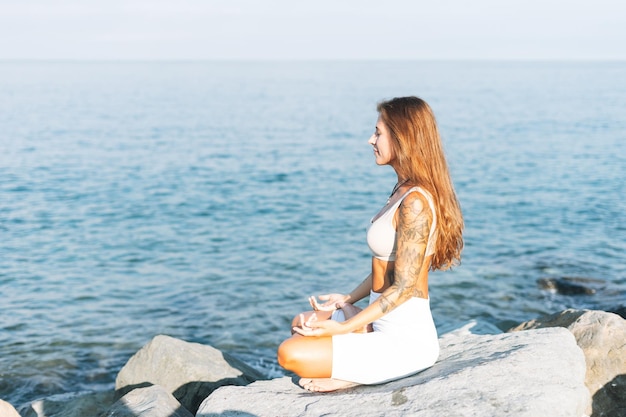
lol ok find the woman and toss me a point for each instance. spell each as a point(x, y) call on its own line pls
point(339, 345)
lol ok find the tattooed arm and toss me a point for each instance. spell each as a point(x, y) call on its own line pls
point(409, 280)
point(410, 272)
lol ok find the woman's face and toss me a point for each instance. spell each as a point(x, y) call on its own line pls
point(381, 141)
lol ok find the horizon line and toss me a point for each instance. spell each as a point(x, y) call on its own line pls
point(270, 60)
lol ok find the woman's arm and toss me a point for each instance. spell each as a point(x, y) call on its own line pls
point(411, 240)
point(361, 291)
point(411, 272)
point(331, 300)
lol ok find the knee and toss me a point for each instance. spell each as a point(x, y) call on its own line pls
point(295, 322)
point(283, 354)
point(287, 355)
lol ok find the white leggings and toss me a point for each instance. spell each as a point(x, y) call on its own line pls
point(403, 342)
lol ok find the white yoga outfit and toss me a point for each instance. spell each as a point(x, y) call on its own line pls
point(404, 341)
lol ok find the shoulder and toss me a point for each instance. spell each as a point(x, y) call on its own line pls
point(414, 219)
point(414, 205)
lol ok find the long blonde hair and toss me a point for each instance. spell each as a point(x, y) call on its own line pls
point(420, 158)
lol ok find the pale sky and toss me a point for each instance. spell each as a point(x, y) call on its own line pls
point(316, 29)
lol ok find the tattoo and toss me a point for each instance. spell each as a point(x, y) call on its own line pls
point(412, 237)
point(385, 305)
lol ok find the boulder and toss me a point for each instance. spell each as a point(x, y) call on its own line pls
point(189, 371)
point(152, 401)
point(74, 404)
point(7, 410)
point(518, 374)
point(570, 285)
point(610, 400)
point(602, 338)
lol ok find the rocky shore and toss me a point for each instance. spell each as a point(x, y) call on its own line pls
point(572, 363)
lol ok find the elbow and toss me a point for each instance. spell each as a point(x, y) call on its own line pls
point(400, 295)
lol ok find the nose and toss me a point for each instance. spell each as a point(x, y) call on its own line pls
point(372, 140)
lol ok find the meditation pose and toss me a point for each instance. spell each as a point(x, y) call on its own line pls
point(338, 345)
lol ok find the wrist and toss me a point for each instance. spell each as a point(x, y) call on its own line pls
point(344, 327)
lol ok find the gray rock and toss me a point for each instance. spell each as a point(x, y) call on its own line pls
point(536, 373)
point(7, 410)
point(610, 400)
point(570, 285)
point(189, 371)
point(602, 337)
point(75, 404)
point(153, 401)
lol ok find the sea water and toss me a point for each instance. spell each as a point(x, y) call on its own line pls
point(208, 200)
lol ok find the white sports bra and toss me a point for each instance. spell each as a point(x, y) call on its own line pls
point(381, 235)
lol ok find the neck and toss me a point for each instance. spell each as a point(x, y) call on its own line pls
point(399, 176)
point(399, 184)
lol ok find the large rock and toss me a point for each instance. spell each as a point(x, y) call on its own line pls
point(602, 337)
point(535, 373)
point(610, 400)
point(7, 410)
point(153, 401)
point(74, 404)
point(189, 371)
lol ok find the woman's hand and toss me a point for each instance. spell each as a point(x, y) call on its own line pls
point(313, 327)
point(332, 302)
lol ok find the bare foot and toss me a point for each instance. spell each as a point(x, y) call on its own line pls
point(325, 384)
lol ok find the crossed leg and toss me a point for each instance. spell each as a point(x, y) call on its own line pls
point(311, 358)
